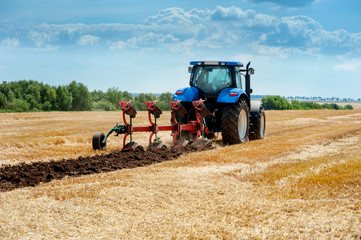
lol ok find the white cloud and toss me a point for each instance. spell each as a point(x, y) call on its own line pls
point(180, 30)
point(116, 45)
point(284, 52)
point(177, 16)
point(149, 40)
point(88, 40)
point(10, 43)
point(274, 51)
point(263, 20)
point(152, 40)
point(40, 38)
point(47, 48)
point(349, 65)
point(230, 14)
point(288, 34)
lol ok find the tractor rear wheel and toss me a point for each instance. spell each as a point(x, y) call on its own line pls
point(98, 141)
point(235, 123)
point(259, 126)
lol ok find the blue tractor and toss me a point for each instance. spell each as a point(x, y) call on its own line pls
point(218, 100)
point(225, 88)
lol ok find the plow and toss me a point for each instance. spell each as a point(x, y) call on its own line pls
point(196, 128)
point(218, 100)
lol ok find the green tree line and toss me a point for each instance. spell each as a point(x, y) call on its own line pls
point(280, 103)
point(30, 95)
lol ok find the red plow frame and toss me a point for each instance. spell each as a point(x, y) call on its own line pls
point(178, 112)
point(197, 128)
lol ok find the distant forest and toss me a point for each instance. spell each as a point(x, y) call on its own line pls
point(280, 103)
point(30, 95)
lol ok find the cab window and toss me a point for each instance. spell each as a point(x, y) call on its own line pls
point(212, 78)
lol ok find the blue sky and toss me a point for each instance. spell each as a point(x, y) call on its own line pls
point(297, 47)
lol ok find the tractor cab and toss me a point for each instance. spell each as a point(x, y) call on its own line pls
point(211, 77)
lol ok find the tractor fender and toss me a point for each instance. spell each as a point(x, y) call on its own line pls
point(188, 94)
point(231, 95)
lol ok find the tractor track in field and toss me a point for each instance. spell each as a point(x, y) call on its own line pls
point(31, 175)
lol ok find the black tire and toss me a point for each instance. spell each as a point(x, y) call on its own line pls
point(98, 141)
point(259, 125)
point(235, 123)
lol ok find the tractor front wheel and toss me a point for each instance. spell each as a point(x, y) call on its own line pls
point(98, 141)
point(259, 125)
point(235, 123)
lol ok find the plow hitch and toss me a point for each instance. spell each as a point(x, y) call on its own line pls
point(196, 128)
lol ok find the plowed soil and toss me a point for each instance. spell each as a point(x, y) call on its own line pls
point(30, 175)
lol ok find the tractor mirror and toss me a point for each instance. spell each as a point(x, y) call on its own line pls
point(190, 69)
point(251, 71)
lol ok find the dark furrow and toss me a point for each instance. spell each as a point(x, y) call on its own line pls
point(30, 175)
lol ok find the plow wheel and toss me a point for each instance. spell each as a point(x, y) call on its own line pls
point(98, 141)
point(235, 123)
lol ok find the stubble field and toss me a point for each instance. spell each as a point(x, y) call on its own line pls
point(302, 181)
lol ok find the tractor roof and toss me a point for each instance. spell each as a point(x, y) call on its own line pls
point(217, 63)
